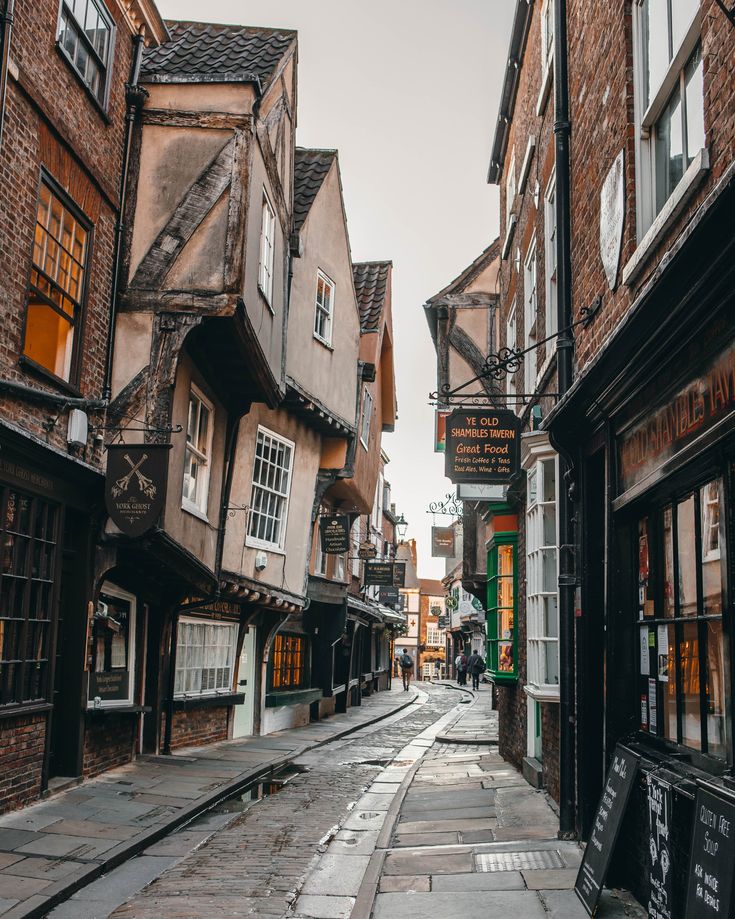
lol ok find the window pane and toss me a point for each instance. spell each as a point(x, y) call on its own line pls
point(687, 554)
point(667, 676)
point(709, 498)
point(645, 586)
point(669, 150)
point(682, 13)
point(656, 44)
point(695, 105)
point(49, 339)
point(689, 662)
point(668, 563)
point(716, 716)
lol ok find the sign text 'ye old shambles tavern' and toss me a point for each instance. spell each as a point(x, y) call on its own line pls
point(482, 446)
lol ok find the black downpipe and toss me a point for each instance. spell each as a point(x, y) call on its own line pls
point(6, 34)
point(134, 98)
point(565, 345)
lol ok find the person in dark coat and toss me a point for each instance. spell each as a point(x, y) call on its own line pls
point(476, 667)
point(461, 663)
point(406, 662)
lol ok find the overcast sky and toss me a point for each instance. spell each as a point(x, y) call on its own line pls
point(407, 91)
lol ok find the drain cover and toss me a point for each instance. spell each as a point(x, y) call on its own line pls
point(518, 861)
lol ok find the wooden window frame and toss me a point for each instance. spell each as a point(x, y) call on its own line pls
point(199, 509)
point(267, 261)
point(320, 312)
point(105, 66)
point(494, 640)
point(289, 656)
point(254, 541)
point(225, 689)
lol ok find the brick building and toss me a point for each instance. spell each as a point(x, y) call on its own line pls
point(432, 637)
point(66, 87)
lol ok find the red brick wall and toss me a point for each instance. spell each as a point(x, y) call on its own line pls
point(200, 726)
point(22, 742)
point(108, 742)
point(602, 116)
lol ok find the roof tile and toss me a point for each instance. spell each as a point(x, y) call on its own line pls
point(371, 284)
point(310, 170)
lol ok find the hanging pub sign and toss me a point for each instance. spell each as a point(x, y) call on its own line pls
point(712, 857)
point(605, 829)
point(442, 542)
point(385, 574)
point(483, 446)
point(367, 550)
point(390, 596)
point(660, 873)
point(135, 485)
point(334, 531)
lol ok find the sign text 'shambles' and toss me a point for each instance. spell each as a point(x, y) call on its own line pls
point(482, 446)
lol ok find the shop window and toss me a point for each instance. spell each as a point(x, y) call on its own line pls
point(205, 657)
point(324, 308)
point(272, 470)
point(58, 273)
point(502, 626)
point(289, 662)
point(85, 38)
point(29, 557)
point(267, 250)
point(198, 453)
point(542, 578)
point(113, 648)
point(680, 605)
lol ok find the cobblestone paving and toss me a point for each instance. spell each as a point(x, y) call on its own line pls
point(254, 866)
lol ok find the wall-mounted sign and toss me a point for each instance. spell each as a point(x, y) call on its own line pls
point(605, 829)
point(334, 532)
point(660, 873)
point(687, 414)
point(483, 446)
point(712, 858)
point(135, 485)
point(442, 542)
point(440, 430)
point(367, 550)
point(467, 492)
point(385, 574)
point(612, 219)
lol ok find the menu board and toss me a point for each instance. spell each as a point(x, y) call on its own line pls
point(605, 829)
point(660, 874)
point(712, 858)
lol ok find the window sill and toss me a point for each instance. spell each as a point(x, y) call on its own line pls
point(30, 366)
point(264, 298)
point(117, 708)
point(277, 699)
point(211, 701)
point(20, 710)
point(265, 546)
point(509, 234)
point(101, 110)
point(194, 511)
point(323, 342)
point(542, 693)
point(545, 91)
point(689, 183)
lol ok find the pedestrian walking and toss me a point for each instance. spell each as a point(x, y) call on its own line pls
point(461, 664)
point(476, 667)
point(406, 662)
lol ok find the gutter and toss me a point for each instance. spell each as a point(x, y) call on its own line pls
point(6, 34)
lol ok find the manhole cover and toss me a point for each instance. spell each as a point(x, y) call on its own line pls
point(518, 861)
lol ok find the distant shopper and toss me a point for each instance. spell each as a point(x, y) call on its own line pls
point(476, 666)
point(406, 662)
point(461, 665)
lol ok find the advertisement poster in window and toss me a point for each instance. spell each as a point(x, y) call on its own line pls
point(660, 875)
point(135, 485)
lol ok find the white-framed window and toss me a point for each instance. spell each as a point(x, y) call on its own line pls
point(355, 544)
point(552, 324)
point(434, 635)
point(547, 36)
point(511, 341)
point(205, 657)
point(320, 557)
point(197, 462)
point(272, 469)
point(367, 415)
point(530, 313)
point(324, 308)
point(710, 502)
point(542, 574)
point(339, 568)
point(378, 503)
point(112, 674)
point(267, 250)
point(669, 99)
point(510, 187)
point(86, 38)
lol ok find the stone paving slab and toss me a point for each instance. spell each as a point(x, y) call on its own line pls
point(324, 907)
point(336, 875)
point(483, 880)
point(518, 903)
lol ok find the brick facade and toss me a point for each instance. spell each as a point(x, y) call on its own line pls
point(22, 742)
point(109, 741)
point(200, 726)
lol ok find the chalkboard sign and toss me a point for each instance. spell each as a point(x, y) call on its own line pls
point(712, 858)
point(605, 829)
point(660, 872)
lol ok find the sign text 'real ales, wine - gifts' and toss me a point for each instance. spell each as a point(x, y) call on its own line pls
point(482, 446)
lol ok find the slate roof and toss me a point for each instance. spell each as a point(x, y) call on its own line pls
point(371, 283)
point(310, 170)
point(204, 52)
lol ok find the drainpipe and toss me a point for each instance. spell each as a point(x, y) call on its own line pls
point(6, 33)
point(565, 345)
point(135, 96)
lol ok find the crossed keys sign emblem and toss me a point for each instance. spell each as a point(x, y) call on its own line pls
point(144, 483)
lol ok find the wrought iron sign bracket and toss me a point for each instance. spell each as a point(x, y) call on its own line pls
point(451, 506)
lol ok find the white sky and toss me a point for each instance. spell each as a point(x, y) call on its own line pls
point(408, 92)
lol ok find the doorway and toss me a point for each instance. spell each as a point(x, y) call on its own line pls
point(246, 683)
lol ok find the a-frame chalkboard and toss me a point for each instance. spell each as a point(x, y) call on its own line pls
point(605, 829)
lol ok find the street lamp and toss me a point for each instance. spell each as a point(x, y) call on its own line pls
point(401, 527)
